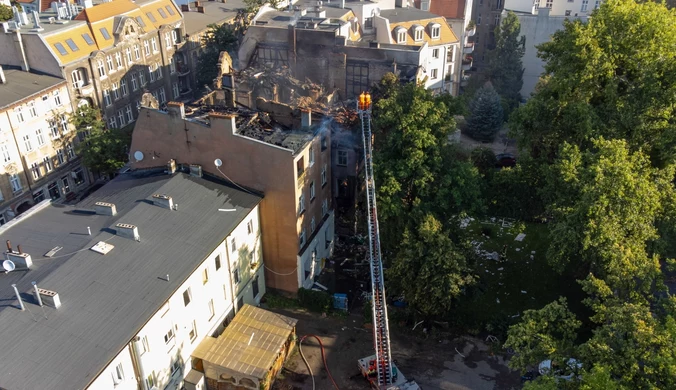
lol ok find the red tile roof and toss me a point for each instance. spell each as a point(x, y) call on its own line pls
point(451, 9)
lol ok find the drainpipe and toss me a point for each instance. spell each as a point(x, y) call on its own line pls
point(136, 360)
point(232, 290)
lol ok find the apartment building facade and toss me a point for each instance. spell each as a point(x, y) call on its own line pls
point(109, 53)
point(37, 143)
point(133, 320)
point(291, 167)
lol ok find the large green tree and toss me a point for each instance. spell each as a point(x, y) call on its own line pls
point(612, 76)
point(505, 65)
point(102, 150)
point(5, 13)
point(218, 38)
point(486, 114)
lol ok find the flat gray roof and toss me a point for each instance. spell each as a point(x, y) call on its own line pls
point(215, 12)
point(106, 299)
point(399, 15)
point(21, 85)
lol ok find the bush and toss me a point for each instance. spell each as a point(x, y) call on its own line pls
point(317, 301)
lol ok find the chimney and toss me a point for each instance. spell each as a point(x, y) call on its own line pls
point(22, 260)
point(36, 21)
point(305, 118)
point(342, 3)
point(195, 170)
point(200, 9)
point(176, 108)
point(37, 292)
point(18, 297)
point(197, 4)
point(103, 208)
point(228, 120)
point(374, 44)
point(50, 298)
point(171, 166)
point(185, 7)
point(163, 201)
point(128, 231)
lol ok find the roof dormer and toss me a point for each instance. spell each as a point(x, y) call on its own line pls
point(400, 34)
point(418, 32)
point(435, 30)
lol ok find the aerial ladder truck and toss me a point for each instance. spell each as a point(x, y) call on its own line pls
point(378, 369)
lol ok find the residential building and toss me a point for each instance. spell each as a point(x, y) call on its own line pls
point(279, 151)
point(37, 143)
point(486, 16)
point(110, 53)
point(348, 46)
point(132, 278)
point(347, 163)
point(572, 8)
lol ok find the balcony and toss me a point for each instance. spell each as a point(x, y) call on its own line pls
point(469, 48)
point(184, 92)
point(467, 63)
point(182, 69)
point(464, 80)
point(471, 30)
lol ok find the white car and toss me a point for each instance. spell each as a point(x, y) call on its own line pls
point(566, 373)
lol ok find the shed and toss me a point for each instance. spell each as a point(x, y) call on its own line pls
point(249, 353)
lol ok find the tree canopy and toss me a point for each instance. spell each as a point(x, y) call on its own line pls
point(5, 13)
point(505, 65)
point(218, 38)
point(486, 115)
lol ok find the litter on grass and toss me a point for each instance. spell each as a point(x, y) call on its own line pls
point(524, 292)
point(520, 237)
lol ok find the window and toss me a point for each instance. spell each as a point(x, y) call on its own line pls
point(45, 98)
point(212, 312)
point(254, 287)
point(169, 335)
point(62, 50)
point(170, 10)
point(35, 169)
point(478, 19)
point(162, 13)
point(151, 17)
point(134, 82)
point(88, 39)
point(301, 204)
point(250, 227)
point(597, 4)
point(193, 332)
point(109, 61)
point(146, 47)
point(435, 53)
point(40, 137)
point(18, 112)
point(312, 225)
point(585, 5)
point(324, 142)
point(123, 84)
point(425, 6)
point(27, 142)
point(106, 97)
point(163, 96)
point(235, 276)
point(434, 74)
point(6, 157)
point(57, 98)
point(15, 182)
point(66, 184)
point(144, 343)
point(167, 39)
point(120, 117)
point(175, 90)
point(496, 20)
point(325, 207)
point(127, 53)
point(118, 59)
point(32, 110)
point(300, 166)
point(172, 65)
point(436, 31)
point(142, 77)
point(217, 262)
point(104, 32)
point(150, 380)
point(301, 237)
point(140, 21)
point(401, 36)
point(187, 296)
point(53, 128)
point(233, 245)
point(116, 90)
point(61, 156)
point(78, 176)
point(205, 276)
point(419, 34)
point(342, 158)
point(130, 113)
point(69, 150)
point(324, 175)
point(312, 191)
point(151, 70)
point(568, 12)
point(153, 42)
point(549, 3)
point(137, 52)
point(118, 375)
point(48, 164)
point(174, 33)
point(102, 68)
point(311, 156)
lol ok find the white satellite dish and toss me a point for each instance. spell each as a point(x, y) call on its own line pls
point(8, 265)
point(218, 162)
point(138, 155)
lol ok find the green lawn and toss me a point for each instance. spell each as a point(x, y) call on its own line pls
point(519, 280)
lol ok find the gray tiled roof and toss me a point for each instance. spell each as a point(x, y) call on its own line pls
point(106, 299)
point(21, 85)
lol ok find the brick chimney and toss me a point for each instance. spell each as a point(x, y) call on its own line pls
point(176, 109)
point(128, 231)
point(103, 208)
point(227, 119)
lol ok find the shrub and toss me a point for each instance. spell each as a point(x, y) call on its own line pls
point(317, 301)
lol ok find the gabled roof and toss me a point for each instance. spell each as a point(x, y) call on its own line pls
point(106, 299)
point(410, 17)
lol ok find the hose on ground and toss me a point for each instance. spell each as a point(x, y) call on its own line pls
point(300, 349)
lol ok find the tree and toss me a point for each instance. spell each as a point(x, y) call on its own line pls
point(484, 159)
point(547, 333)
point(505, 67)
point(6, 13)
point(429, 270)
point(605, 79)
point(486, 116)
point(103, 151)
point(218, 38)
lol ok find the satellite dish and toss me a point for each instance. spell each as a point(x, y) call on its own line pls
point(8, 265)
point(138, 155)
point(218, 162)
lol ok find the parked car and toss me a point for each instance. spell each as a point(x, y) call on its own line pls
point(566, 372)
point(504, 160)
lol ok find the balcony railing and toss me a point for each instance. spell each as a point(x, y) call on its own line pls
point(467, 63)
point(471, 31)
point(469, 48)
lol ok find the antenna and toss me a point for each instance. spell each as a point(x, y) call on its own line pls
point(138, 155)
point(218, 162)
point(8, 265)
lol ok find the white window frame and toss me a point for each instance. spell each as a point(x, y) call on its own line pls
point(312, 191)
point(57, 98)
point(32, 110)
point(301, 237)
point(435, 31)
point(146, 47)
point(101, 68)
point(116, 90)
point(109, 62)
point(118, 60)
point(419, 33)
point(341, 158)
point(325, 207)
point(176, 91)
point(434, 74)
point(6, 155)
point(130, 59)
point(323, 175)
point(130, 113)
point(137, 52)
point(585, 6)
point(123, 85)
point(47, 161)
point(153, 43)
point(163, 96)
point(18, 113)
point(134, 82)
point(15, 182)
point(120, 117)
point(27, 143)
point(401, 35)
point(107, 100)
point(301, 204)
point(40, 137)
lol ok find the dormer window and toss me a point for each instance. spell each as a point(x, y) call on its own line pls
point(435, 30)
point(418, 32)
point(400, 33)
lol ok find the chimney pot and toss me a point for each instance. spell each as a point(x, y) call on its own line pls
point(9, 246)
point(171, 166)
point(185, 7)
point(18, 247)
point(103, 208)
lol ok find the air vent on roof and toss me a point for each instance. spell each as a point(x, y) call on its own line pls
point(163, 201)
point(50, 298)
point(128, 231)
point(195, 170)
point(103, 208)
point(102, 247)
point(53, 251)
point(22, 260)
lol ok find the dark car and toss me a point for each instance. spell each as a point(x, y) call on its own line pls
point(505, 160)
